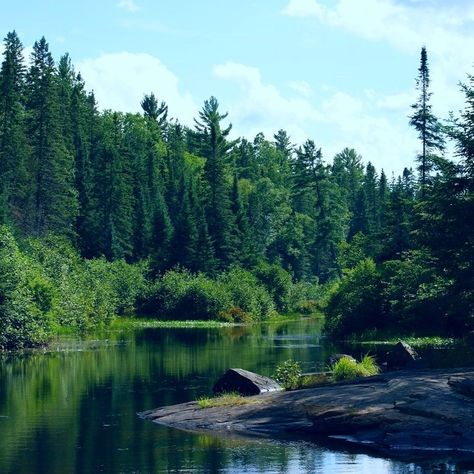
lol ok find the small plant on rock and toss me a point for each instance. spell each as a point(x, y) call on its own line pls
point(288, 374)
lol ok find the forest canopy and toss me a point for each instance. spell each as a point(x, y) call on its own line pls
point(147, 193)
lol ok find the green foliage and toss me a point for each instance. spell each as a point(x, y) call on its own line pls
point(228, 399)
point(414, 294)
point(179, 294)
point(232, 296)
point(26, 298)
point(278, 283)
point(348, 369)
point(124, 188)
point(47, 286)
point(247, 293)
point(288, 374)
point(407, 294)
point(126, 282)
point(355, 304)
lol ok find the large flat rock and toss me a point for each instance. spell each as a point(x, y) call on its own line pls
point(395, 414)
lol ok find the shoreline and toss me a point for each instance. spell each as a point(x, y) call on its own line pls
point(416, 413)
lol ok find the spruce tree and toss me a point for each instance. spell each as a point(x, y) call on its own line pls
point(215, 147)
point(13, 143)
point(426, 124)
point(54, 203)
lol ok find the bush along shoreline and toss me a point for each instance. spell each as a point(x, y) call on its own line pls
point(47, 289)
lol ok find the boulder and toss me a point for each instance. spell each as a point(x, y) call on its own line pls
point(245, 382)
point(403, 356)
point(337, 357)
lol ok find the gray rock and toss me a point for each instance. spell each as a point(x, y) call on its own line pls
point(246, 383)
point(403, 356)
point(337, 357)
point(404, 412)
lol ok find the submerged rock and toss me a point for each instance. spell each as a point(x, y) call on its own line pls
point(246, 383)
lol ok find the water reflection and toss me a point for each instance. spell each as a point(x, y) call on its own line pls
point(74, 409)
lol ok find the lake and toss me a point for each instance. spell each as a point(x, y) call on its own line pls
point(73, 408)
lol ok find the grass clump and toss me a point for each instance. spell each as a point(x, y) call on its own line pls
point(348, 369)
point(228, 399)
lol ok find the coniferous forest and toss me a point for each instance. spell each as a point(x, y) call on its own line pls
point(106, 213)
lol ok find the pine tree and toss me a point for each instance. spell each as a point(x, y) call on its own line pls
point(426, 124)
point(13, 142)
point(185, 237)
point(370, 190)
point(314, 190)
point(348, 173)
point(54, 204)
point(84, 123)
point(112, 192)
point(155, 111)
point(162, 236)
point(215, 148)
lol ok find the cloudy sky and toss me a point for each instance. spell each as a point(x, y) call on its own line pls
point(341, 72)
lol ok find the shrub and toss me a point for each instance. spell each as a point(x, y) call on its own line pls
point(414, 294)
point(179, 294)
point(308, 297)
point(233, 296)
point(247, 294)
point(277, 282)
point(25, 298)
point(125, 282)
point(288, 374)
point(355, 304)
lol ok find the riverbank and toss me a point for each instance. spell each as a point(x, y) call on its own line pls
point(396, 414)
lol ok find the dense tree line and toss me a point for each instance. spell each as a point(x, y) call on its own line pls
point(144, 186)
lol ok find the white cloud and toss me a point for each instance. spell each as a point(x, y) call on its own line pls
point(302, 87)
point(340, 120)
point(120, 80)
point(446, 28)
point(399, 101)
point(128, 5)
point(261, 107)
point(384, 141)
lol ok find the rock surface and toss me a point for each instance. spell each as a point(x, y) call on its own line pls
point(246, 383)
point(396, 413)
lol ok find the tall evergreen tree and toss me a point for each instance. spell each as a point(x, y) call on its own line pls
point(13, 142)
point(155, 111)
point(215, 147)
point(426, 124)
point(54, 205)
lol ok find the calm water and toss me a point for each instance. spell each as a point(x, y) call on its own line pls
point(74, 409)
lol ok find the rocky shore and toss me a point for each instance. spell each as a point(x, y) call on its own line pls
point(399, 413)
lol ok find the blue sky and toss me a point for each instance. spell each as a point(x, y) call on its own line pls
point(340, 72)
